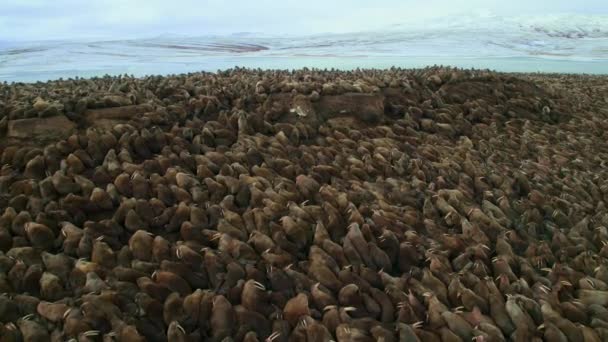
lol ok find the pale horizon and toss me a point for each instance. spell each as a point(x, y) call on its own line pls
point(39, 20)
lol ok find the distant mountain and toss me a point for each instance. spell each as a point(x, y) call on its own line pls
point(556, 25)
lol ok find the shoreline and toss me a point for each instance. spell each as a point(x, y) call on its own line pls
point(214, 63)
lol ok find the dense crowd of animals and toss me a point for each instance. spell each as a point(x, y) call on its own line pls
point(246, 205)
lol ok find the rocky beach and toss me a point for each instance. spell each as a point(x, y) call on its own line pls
point(435, 204)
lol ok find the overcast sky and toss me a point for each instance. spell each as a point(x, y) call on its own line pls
point(73, 19)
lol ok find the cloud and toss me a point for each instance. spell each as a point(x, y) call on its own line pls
point(61, 19)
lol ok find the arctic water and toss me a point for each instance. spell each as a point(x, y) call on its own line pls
point(551, 44)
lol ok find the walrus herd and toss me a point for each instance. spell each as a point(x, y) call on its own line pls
point(312, 205)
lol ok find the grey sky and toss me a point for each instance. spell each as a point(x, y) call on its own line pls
point(73, 19)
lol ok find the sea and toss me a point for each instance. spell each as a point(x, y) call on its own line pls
point(548, 44)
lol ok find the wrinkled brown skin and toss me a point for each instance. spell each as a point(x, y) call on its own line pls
point(406, 333)
point(255, 299)
point(499, 314)
point(154, 290)
point(40, 235)
point(345, 333)
point(448, 335)
point(173, 282)
point(296, 308)
point(252, 320)
point(52, 311)
point(33, 331)
point(173, 308)
point(471, 300)
point(520, 318)
point(161, 249)
point(175, 333)
point(321, 297)
point(337, 203)
point(325, 276)
point(458, 325)
point(386, 305)
point(359, 243)
point(141, 244)
point(316, 331)
point(222, 318)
